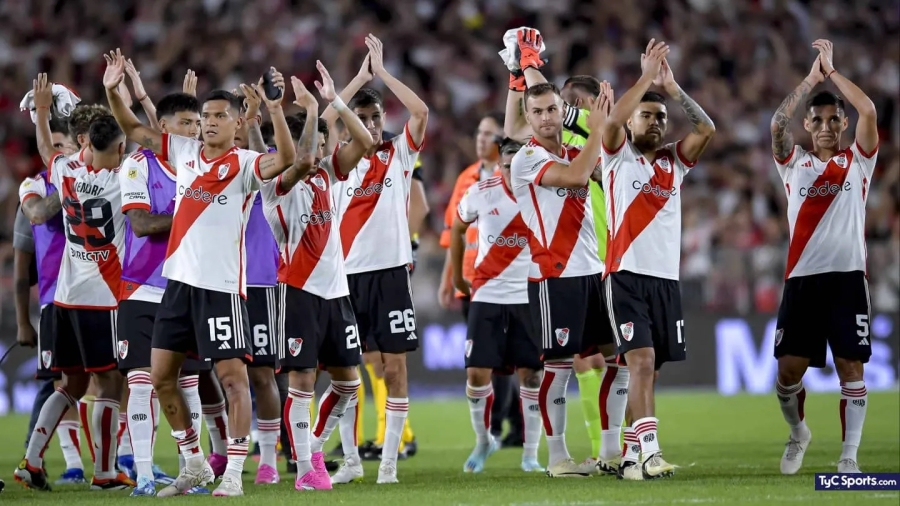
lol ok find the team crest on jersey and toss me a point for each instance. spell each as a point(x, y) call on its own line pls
point(319, 181)
point(123, 349)
point(295, 344)
point(778, 335)
point(529, 152)
point(26, 183)
point(841, 160)
point(223, 170)
point(562, 336)
point(383, 155)
point(627, 330)
point(132, 173)
point(468, 347)
point(664, 164)
point(46, 358)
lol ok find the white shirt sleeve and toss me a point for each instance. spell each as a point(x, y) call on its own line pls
point(177, 149)
point(250, 175)
point(681, 163)
point(867, 161)
point(407, 153)
point(32, 187)
point(528, 166)
point(784, 166)
point(58, 167)
point(133, 183)
point(467, 210)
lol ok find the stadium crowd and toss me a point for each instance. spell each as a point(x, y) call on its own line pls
point(738, 59)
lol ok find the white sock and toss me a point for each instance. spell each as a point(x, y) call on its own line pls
point(105, 427)
point(552, 398)
point(140, 421)
point(854, 399)
point(69, 432)
point(51, 414)
point(298, 428)
point(237, 454)
point(268, 433)
point(347, 427)
point(124, 447)
point(332, 408)
point(792, 400)
point(613, 398)
point(189, 447)
point(395, 414)
point(480, 401)
point(645, 430)
point(188, 386)
point(217, 423)
point(531, 413)
point(154, 409)
point(631, 446)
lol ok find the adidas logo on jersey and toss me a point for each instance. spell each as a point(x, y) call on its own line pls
point(157, 185)
point(494, 212)
point(807, 164)
point(864, 342)
point(412, 336)
point(189, 164)
point(224, 346)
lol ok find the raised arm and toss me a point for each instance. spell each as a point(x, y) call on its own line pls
point(141, 94)
point(867, 124)
point(418, 111)
point(578, 173)
point(349, 155)
point(305, 159)
point(651, 62)
point(330, 115)
point(273, 164)
point(252, 101)
point(515, 126)
point(702, 127)
point(782, 138)
point(43, 100)
point(134, 130)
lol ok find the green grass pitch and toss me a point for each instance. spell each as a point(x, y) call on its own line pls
point(728, 449)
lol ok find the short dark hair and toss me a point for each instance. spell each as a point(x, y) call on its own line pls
point(497, 116)
point(176, 102)
point(58, 126)
point(825, 97)
point(321, 125)
point(585, 83)
point(510, 146)
point(236, 102)
point(104, 132)
point(652, 96)
point(540, 89)
point(295, 126)
point(82, 117)
point(268, 132)
point(366, 97)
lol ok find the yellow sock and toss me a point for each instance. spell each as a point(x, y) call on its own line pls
point(407, 432)
point(360, 405)
point(312, 410)
point(379, 397)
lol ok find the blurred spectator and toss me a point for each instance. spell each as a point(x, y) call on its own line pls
point(737, 58)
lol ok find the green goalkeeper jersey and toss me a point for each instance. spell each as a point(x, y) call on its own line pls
point(575, 132)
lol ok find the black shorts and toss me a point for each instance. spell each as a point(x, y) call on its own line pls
point(466, 303)
point(645, 312)
point(45, 346)
point(135, 334)
point(568, 315)
point(382, 301)
point(830, 308)
point(202, 323)
point(499, 337)
point(262, 308)
point(314, 331)
point(84, 340)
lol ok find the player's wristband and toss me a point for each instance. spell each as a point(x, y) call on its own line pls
point(828, 76)
point(141, 99)
point(338, 104)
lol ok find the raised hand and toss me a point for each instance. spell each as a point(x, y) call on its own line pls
point(376, 54)
point(600, 108)
point(278, 81)
point(326, 87)
point(252, 99)
point(652, 59)
point(135, 78)
point(115, 69)
point(190, 83)
point(816, 74)
point(43, 92)
point(365, 70)
point(303, 98)
point(826, 55)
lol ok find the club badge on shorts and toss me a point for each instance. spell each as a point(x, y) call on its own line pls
point(468, 347)
point(627, 330)
point(779, 333)
point(123, 349)
point(562, 336)
point(47, 358)
point(295, 344)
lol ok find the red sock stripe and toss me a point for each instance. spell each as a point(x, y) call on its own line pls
point(345, 389)
point(325, 409)
point(801, 400)
point(190, 437)
point(86, 426)
point(788, 390)
point(860, 392)
point(52, 430)
point(299, 394)
point(139, 378)
point(188, 381)
point(488, 405)
point(355, 421)
point(154, 395)
point(644, 427)
point(529, 395)
point(397, 406)
point(269, 425)
point(546, 381)
point(238, 449)
point(558, 366)
point(106, 427)
point(632, 437)
point(290, 426)
point(605, 388)
point(73, 435)
point(213, 409)
point(479, 393)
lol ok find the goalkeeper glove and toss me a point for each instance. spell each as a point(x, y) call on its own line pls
point(528, 48)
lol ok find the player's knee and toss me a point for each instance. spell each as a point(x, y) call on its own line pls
point(478, 376)
point(109, 384)
point(642, 363)
point(303, 380)
point(394, 369)
point(75, 385)
point(530, 378)
point(848, 370)
point(233, 376)
point(791, 370)
point(163, 383)
point(343, 373)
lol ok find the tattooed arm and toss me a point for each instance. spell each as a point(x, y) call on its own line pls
point(144, 223)
point(782, 139)
point(40, 209)
point(306, 151)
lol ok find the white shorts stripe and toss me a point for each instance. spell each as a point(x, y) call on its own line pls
point(115, 338)
point(272, 308)
point(282, 292)
point(609, 309)
point(544, 304)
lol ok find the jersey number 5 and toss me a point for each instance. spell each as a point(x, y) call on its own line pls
point(89, 223)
